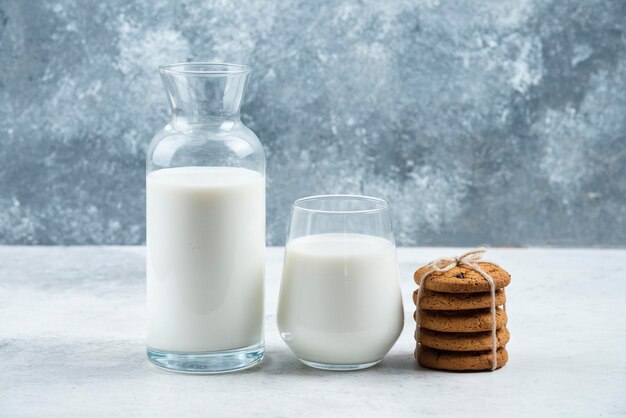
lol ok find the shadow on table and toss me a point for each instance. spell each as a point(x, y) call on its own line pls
point(285, 363)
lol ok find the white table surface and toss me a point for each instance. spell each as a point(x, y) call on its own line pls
point(72, 325)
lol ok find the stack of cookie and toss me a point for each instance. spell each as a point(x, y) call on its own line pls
point(455, 327)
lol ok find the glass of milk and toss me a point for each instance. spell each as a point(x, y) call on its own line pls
point(205, 225)
point(340, 306)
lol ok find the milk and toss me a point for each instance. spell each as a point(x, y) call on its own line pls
point(340, 300)
point(205, 258)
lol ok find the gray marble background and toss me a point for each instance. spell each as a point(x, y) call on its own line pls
point(482, 122)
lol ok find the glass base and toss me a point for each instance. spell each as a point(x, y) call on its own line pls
point(340, 367)
point(209, 362)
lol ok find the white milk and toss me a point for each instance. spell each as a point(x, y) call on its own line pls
point(205, 261)
point(340, 300)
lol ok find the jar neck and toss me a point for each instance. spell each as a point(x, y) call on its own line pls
point(182, 120)
point(205, 96)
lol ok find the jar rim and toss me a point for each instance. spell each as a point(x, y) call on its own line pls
point(202, 68)
point(370, 204)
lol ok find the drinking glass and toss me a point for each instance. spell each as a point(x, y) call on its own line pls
point(340, 306)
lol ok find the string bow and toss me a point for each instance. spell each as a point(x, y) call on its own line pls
point(470, 259)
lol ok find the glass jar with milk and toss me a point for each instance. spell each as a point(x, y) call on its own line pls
point(205, 210)
point(340, 306)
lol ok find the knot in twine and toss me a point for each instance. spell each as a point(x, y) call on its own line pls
point(469, 259)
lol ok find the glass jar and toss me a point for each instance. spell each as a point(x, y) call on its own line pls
point(205, 225)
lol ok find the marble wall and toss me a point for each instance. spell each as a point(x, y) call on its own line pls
point(482, 122)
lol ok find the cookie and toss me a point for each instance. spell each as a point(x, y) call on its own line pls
point(438, 301)
point(462, 341)
point(460, 361)
point(475, 320)
point(462, 279)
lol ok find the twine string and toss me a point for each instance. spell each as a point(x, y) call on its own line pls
point(469, 259)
